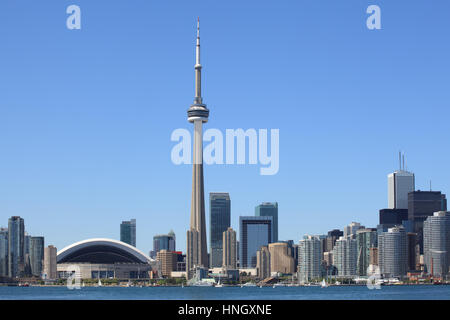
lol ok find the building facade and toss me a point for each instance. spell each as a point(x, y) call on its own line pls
point(37, 256)
point(220, 221)
point(3, 252)
point(310, 258)
point(400, 183)
point(128, 232)
point(254, 233)
point(263, 263)
point(281, 259)
point(16, 246)
point(168, 260)
point(229, 258)
point(436, 242)
point(50, 268)
point(345, 256)
point(269, 209)
point(365, 240)
point(393, 252)
point(163, 242)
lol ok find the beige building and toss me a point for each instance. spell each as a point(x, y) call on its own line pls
point(373, 256)
point(50, 269)
point(280, 259)
point(229, 249)
point(263, 262)
point(168, 261)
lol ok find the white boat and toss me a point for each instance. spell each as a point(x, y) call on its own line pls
point(99, 284)
point(279, 284)
point(248, 284)
point(202, 284)
point(219, 284)
point(324, 284)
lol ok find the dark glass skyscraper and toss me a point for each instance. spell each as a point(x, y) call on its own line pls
point(36, 255)
point(269, 209)
point(128, 232)
point(219, 222)
point(254, 233)
point(16, 248)
point(3, 252)
point(163, 242)
point(421, 205)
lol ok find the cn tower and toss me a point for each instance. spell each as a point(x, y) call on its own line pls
point(197, 255)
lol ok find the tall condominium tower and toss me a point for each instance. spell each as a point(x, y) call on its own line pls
point(128, 232)
point(3, 252)
point(393, 252)
point(50, 271)
point(345, 256)
point(219, 221)
point(400, 183)
point(309, 258)
point(365, 240)
point(436, 242)
point(229, 257)
point(350, 230)
point(197, 114)
point(269, 209)
point(254, 233)
point(36, 255)
point(16, 246)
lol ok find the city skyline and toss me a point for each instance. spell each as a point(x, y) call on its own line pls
point(91, 157)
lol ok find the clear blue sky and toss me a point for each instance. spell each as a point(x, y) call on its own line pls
point(86, 116)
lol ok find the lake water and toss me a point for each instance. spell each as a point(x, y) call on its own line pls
point(422, 292)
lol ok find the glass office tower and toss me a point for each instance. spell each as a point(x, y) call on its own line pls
point(219, 222)
point(269, 209)
point(254, 233)
point(128, 232)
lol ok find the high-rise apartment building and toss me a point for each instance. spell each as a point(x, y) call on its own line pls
point(345, 256)
point(269, 209)
point(3, 252)
point(128, 232)
point(16, 246)
point(365, 240)
point(219, 222)
point(36, 256)
point(436, 242)
point(393, 252)
point(263, 262)
point(229, 259)
point(50, 271)
point(350, 230)
point(310, 258)
point(254, 233)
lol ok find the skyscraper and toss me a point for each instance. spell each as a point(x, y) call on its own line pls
point(163, 242)
point(254, 233)
point(197, 114)
point(269, 209)
point(36, 255)
point(421, 205)
point(229, 259)
point(400, 183)
point(3, 252)
point(219, 221)
point(281, 259)
point(50, 270)
point(310, 258)
point(263, 262)
point(16, 253)
point(350, 230)
point(345, 256)
point(365, 240)
point(436, 243)
point(393, 252)
point(128, 232)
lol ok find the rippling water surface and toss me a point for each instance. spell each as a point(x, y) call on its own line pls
point(233, 293)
